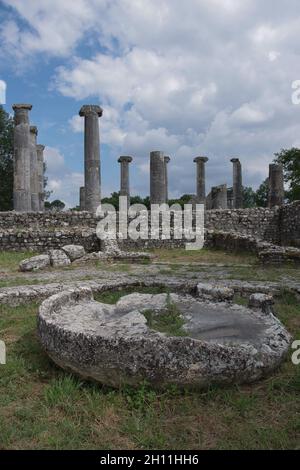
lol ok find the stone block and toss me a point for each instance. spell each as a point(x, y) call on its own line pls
point(35, 263)
point(74, 251)
point(214, 293)
point(59, 258)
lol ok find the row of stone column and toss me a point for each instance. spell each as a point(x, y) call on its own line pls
point(218, 197)
point(159, 182)
point(90, 193)
point(28, 163)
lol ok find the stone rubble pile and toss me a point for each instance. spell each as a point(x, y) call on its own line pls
point(268, 253)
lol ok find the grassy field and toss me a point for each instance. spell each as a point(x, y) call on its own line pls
point(41, 407)
point(181, 255)
point(9, 260)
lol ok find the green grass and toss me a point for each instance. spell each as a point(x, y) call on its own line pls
point(181, 255)
point(168, 320)
point(20, 282)
point(43, 407)
point(9, 260)
point(260, 273)
point(239, 300)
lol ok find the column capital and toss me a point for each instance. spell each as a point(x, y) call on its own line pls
point(21, 106)
point(90, 109)
point(125, 159)
point(21, 113)
point(167, 159)
point(200, 160)
point(34, 130)
point(235, 160)
point(40, 147)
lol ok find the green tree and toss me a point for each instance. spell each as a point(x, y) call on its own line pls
point(249, 197)
point(261, 195)
point(6, 161)
point(55, 205)
point(113, 200)
point(290, 159)
point(184, 199)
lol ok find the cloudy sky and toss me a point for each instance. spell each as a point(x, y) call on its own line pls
point(193, 77)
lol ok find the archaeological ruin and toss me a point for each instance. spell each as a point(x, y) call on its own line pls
point(219, 341)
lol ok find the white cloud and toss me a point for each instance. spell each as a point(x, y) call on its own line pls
point(55, 26)
point(64, 182)
point(204, 76)
point(273, 55)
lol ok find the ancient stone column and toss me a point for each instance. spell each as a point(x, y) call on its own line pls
point(40, 164)
point(230, 202)
point(237, 184)
point(219, 197)
point(276, 185)
point(92, 177)
point(166, 161)
point(124, 176)
point(22, 193)
point(82, 198)
point(200, 181)
point(157, 178)
point(34, 183)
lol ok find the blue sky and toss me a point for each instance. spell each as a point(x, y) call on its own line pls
point(201, 77)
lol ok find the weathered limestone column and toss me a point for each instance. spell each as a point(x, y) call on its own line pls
point(230, 201)
point(22, 194)
point(40, 165)
point(200, 181)
point(124, 176)
point(157, 178)
point(82, 198)
point(276, 185)
point(166, 161)
point(237, 184)
point(92, 176)
point(219, 197)
point(34, 183)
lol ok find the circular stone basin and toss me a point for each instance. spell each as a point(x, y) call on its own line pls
point(199, 342)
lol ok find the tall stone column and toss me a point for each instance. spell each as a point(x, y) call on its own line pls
point(219, 197)
point(166, 161)
point(124, 176)
point(34, 183)
point(200, 180)
point(40, 165)
point(92, 176)
point(82, 198)
point(157, 178)
point(237, 184)
point(22, 194)
point(276, 185)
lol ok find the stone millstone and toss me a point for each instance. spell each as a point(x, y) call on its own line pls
point(113, 345)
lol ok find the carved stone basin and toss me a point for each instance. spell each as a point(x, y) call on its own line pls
point(163, 339)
